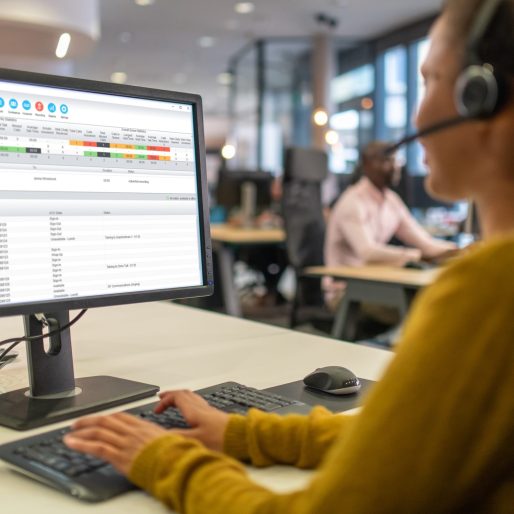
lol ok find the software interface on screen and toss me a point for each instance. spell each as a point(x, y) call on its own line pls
point(98, 195)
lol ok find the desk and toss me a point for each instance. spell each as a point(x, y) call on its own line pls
point(176, 347)
point(384, 285)
point(224, 237)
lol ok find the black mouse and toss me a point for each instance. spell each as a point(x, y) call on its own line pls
point(333, 380)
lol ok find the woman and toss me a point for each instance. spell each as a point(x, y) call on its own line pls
point(437, 433)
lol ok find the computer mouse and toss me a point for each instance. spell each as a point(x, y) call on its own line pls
point(333, 380)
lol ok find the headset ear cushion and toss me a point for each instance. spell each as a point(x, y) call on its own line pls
point(477, 93)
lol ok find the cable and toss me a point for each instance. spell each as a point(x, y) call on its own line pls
point(17, 340)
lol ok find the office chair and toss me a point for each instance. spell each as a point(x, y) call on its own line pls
point(304, 224)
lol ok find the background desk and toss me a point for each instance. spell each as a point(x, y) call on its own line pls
point(383, 285)
point(176, 347)
point(224, 237)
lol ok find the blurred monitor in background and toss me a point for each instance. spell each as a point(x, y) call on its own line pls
point(305, 165)
point(245, 190)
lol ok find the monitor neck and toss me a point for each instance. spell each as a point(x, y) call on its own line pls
point(50, 370)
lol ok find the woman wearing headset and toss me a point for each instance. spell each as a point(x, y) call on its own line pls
point(437, 432)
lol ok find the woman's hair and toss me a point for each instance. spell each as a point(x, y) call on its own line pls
point(497, 46)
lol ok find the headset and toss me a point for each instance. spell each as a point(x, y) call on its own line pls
point(480, 91)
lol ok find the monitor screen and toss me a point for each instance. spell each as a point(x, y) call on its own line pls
point(99, 197)
point(305, 164)
point(102, 202)
point(229, 188)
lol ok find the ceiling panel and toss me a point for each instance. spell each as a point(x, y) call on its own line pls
point(158, 46)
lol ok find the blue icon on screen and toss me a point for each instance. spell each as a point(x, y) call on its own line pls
point(26, 105)
point(64, 108)
point(51, 107)
point(2, 103)
point(13, 103)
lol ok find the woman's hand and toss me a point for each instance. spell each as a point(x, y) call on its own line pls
point(116, 438)
point(207, 423)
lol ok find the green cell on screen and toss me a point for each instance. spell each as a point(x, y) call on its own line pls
point(13, 149)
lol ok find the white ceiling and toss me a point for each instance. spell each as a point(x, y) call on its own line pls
point(163, 51)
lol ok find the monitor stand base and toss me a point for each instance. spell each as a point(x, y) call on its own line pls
point(20, 411)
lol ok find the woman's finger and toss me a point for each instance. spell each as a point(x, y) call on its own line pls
point(99, 449)
point(100, 435)
point(111, 422)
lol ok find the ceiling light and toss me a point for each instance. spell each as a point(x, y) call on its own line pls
point(63, 45)
point(367, 103)
point(244, 7)
point(119, 77)
point(332, 137)
point(320, 117)
point(206, 41)
point(225, 79)
point(144, 3)
point(228, 152)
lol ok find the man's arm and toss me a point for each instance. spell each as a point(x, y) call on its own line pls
point(358, 234)
point(412, 233)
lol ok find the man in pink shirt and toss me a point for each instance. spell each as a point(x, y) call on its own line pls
point(369, 214)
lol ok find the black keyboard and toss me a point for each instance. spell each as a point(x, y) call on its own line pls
point(46, 458)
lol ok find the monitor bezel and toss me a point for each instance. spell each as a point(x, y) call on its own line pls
point(76, 84)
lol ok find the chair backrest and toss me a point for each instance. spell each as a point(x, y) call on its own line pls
point(302, 212)
point(304, 223)
point(305, 164)
point(304, 170)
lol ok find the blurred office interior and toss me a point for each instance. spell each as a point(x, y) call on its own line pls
point(331, 75)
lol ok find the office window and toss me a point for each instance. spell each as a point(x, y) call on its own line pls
point(245, 112)
point(395, 93)
point(344, 154)
point(352, 92)
point(353, 84)
point(418, 55)
point(281, 60)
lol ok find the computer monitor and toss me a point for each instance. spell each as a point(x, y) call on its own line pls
point(305, 164)
point(103, 201)
point(229, 191)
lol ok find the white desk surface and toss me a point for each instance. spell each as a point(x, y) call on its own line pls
point(175, 347)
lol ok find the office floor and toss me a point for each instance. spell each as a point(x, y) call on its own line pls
point(266, 308)
point(370, 332)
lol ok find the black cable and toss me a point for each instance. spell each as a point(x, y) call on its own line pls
point(17, 340)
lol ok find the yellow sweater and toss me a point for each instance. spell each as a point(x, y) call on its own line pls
point(436, 434)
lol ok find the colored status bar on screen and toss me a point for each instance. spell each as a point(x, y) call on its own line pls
point(112, 155)
point(120, 146)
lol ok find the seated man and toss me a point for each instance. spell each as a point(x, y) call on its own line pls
point(365, 218)
point(369, 214)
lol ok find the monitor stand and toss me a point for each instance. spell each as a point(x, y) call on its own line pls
point(54, 393)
